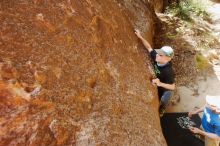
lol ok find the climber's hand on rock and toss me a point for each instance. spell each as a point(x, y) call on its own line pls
point(138, 33)
point(156, 81)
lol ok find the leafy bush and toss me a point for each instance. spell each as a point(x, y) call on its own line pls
point(184, 9)
point(202, 62)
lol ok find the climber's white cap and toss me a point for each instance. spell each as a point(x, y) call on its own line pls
point(166, 50)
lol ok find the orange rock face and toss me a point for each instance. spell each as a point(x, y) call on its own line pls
point(74, 73)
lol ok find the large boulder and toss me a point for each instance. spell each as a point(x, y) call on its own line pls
point(158, 5)
point(74, 73)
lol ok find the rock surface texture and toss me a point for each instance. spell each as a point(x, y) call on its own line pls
point(158, 5)
point(74, 73)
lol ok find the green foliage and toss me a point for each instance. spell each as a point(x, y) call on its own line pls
point(199, 7)
point(183, 11)
point(202, 62)
point(185, 8)
point(171, 36)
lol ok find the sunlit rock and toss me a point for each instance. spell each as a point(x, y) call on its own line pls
point(74, 73)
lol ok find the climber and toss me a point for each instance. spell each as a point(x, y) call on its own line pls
point(163, 70)
point(210, 121)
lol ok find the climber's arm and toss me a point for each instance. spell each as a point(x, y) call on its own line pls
point(145, 42)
